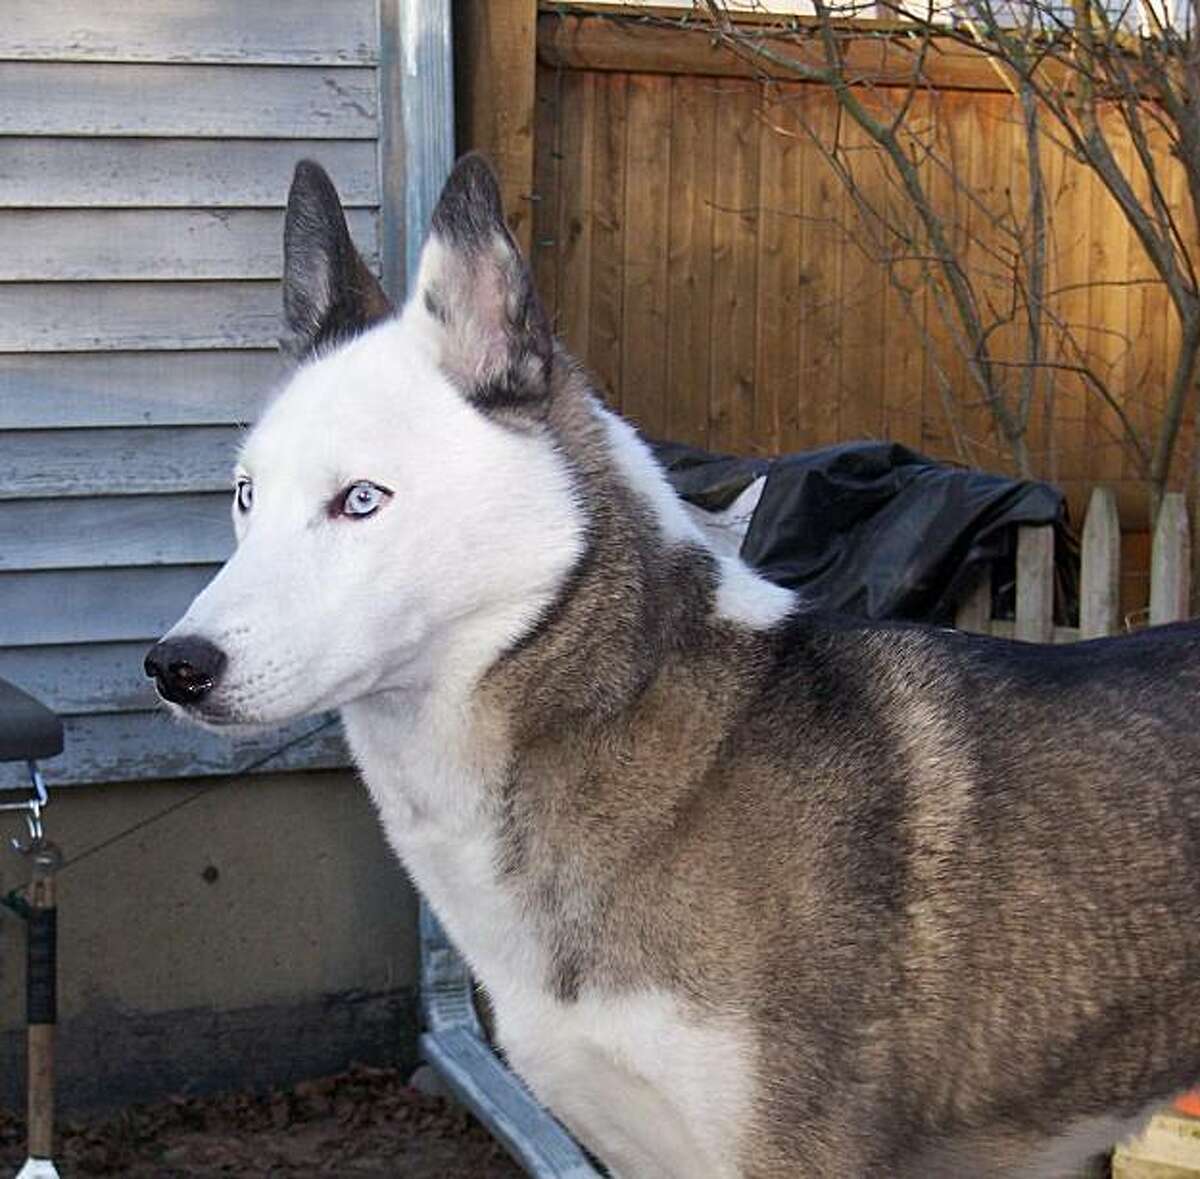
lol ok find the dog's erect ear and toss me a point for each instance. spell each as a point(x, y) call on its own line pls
point(329, 294)
point(473, 283)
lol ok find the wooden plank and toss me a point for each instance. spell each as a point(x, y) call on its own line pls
point(126, 747)
point(96, 605)
point(1168, 1148)
point(777, 358)
point(1071, 243)
point(495, 55)
point(904, 373)
point(975, 612)
point(85, 317)
point(1147, 310)
point(111, 173)
point(75, 244)
point(88, 677)
point(48, 390)
point(735, 265)
point(1100, 567)
point(1108, 311)
point(1037, 435)
point(115, 532)
point(547, 170)
point(999, 141)
point(1003, 628)
point(301, 32)
point(602, 43)
point(608, 235)
point(647, 206)
point(969, 127)
point(573, 226)
point(1170, 562)
point(1035, 583)
point(690, 259)
point(121, 461)
point(860, 378)
point(820, 273)
point(943, 428)
point(283, 102)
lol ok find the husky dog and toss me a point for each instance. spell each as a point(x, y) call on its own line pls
point(754, 892)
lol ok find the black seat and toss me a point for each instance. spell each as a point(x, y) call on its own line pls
point(28, 729)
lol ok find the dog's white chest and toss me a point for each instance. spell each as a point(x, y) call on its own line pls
point(649, 1087)
point(654, 1094)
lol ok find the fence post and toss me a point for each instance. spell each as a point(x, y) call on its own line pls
point(1035, 583)
point(1100, 567)
point(975, 611)
point(1170, 562)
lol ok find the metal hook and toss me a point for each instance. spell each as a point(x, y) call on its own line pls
point(32, 810)
point(37, 835)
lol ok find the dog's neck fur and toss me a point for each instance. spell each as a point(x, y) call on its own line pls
point(475, 777)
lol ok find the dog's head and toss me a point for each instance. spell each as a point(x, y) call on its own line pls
point(401, 513)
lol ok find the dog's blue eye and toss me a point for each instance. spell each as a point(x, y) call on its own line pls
point(244, 494)
point(363, 499)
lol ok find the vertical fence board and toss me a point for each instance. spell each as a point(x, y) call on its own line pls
point(1100, 567)
point(975, 612)
point(608, 234)
point(1071, 237)
point(647, 197)
point(1146, 323)
point(860, 383)
point(573, 232)
point(1035, 584)
point(943, 432)
point(689, 259)
point(903, 379)
point(735, 260)
point(1170, 562)
point(547, 190)
point(820, 272)
point(777, 355)
point(1107, 343)
point(971, 130)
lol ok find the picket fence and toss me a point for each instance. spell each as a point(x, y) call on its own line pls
point(1099, 577)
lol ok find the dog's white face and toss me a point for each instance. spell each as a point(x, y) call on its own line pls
point(391, 533)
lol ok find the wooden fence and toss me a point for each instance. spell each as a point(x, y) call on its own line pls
point(700, 256)
point(686, 236)
point(1099, 578)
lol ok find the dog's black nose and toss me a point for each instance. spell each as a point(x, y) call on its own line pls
point(184, 669)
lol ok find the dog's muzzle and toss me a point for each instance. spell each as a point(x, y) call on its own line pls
point(184, 669)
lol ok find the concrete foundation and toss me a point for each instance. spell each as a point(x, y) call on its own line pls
point(257, 935)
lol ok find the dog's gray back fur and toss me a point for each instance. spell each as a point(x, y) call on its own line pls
point(959, 873)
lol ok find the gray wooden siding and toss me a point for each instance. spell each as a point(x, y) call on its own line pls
point(55, 390)
point(170, 173)
point(123, 244)
point(95, 605)
point(300, 32)
point(279, 102)
point(145, 154)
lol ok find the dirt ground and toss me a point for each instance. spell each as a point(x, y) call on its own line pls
point(362, 1123)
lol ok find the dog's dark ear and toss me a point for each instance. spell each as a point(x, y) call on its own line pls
point(473, 283)
point(329, 294)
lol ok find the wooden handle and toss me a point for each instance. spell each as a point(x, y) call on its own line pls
point(41, 1004)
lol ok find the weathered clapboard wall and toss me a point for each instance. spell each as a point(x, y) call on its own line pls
point(145, 154)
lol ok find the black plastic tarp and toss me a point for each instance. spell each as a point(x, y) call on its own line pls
point(875, 529)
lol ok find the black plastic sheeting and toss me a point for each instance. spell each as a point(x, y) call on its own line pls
point(875, 529)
